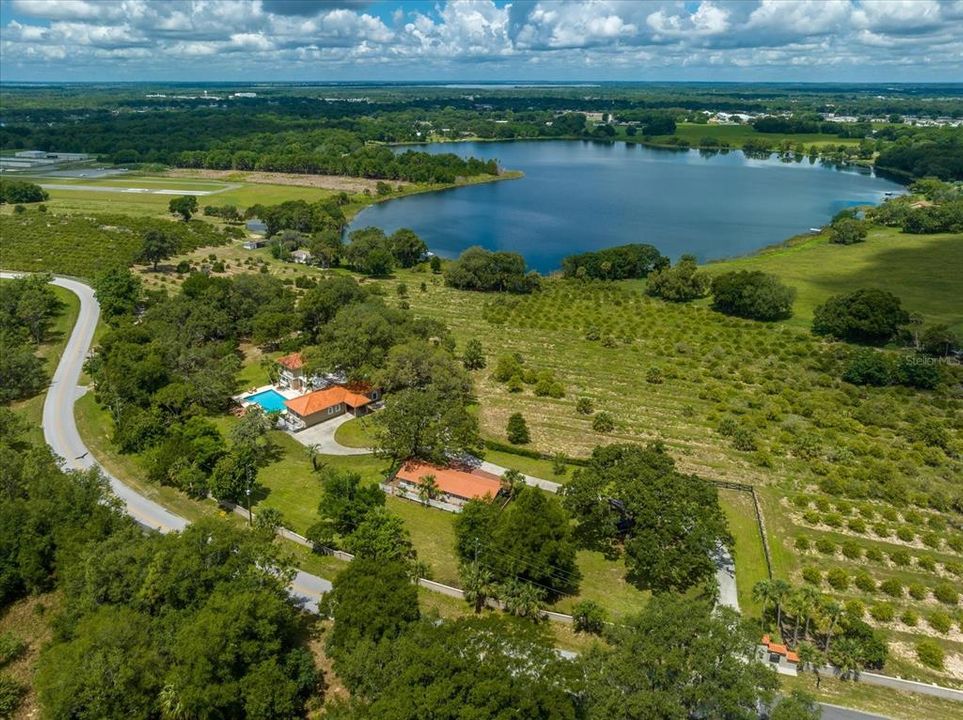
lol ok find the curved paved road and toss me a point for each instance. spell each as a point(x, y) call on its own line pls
point(60, 432)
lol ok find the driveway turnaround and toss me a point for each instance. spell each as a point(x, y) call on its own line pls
point(60, 432)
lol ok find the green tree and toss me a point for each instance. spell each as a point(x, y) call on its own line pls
point(370, 252)
point(530, 541)
point(435, 264)
point(382, 536)
point(752, 294)
point(589, 616)
point(680, 283)
point(668, 525)
point(425, 424)
point(118, 291)
point(345, 503)
point(474, 355)
point(677, 659)
point(371, 600)
point(848, 231)
point(798, 705)
point(517, 430)
point(478, 584)
point(185, 206)
point(938, 340)
point(234, 478)
point(157, 246)
point(407, 247)
point(867, 315)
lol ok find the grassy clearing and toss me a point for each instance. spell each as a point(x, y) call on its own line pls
point(530, 466)
point(30, 620)
point(890, 703)
point(748, 553)
point(736, 135)
point(921, 269)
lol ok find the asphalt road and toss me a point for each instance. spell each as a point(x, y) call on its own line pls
point(834, 712)
point(60, 432)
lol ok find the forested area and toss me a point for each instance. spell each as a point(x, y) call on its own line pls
point(27, 309)
point(341, 133)
point(195, 624)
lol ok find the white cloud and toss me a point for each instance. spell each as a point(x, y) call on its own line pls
point(522, 38)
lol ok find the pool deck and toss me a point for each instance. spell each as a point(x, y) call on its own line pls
point(286, 393)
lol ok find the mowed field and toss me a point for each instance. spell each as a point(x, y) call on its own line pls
point(736, 135)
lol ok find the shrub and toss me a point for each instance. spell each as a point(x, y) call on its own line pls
point(868, 367)
point(882, 612)
point(11, 695)
point(812, 575)
point(931, 540)
point(603, 423)
point(900, 558)
point(947, 593)
point(955, 542)
point(953, 568)
point(929, 653)
point(584, 406)
point(892, 587)
point(744, 439)
point(517, 430)
point(589, 617)
point(855, 609)
point(905, 534)
point(864, 581)
point(874, 554)
point(801, 501)
point(812, 517)
point(851, 550)
point(11, 648)
point(909, 617)
point(802, 543)
point(834, 520)
point(838, 578)
point(826, 546)
point(940, 621)
point(848, 231)
point(857, 525)
point(654, 376)
point(822, 504)
point(917, 591)
point(925, 562)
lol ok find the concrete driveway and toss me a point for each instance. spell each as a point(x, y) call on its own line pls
point(321, 436)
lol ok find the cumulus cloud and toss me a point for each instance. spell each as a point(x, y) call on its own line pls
point(543, 38)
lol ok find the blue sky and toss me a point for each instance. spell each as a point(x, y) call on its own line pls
point(345, 40)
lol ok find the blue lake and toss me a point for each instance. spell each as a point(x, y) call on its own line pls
point(579, 196)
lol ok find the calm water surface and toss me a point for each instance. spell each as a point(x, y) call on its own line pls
point(579, 196)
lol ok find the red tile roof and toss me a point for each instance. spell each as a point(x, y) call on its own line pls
point(462, 483)
point(780, 649)
point(319, 400)
point(294, 361)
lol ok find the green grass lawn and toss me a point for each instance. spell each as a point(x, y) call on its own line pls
point(748, 553)
point(890, 703)
point(923, 270)
point(529, 466)
point(355, 433)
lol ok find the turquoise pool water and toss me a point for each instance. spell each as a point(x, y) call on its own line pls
point(270, 400)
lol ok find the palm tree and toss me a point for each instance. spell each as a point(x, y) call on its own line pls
point(427, 489)
point(171, 707)
point(780, 591)
point(847, 657)
point(521, 598)
point(314, 455)
point(763, 593)
point(811, 603)
point(797, 604)
point(809, 656)
point(511, 481)
point(832, 611)
point(477, 584)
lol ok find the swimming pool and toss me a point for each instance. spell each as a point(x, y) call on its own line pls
point(270, 400)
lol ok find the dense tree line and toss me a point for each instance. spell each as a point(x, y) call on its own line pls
point(926, 154)
point(677, 658)
point(615, 263)
point(28, 307)
point(159, 376)
point(196, 624)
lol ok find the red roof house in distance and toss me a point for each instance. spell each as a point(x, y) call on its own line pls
point(291, 373)
point(321, 405)
point(456, 485)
